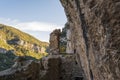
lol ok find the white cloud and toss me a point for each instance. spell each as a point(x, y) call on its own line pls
point(41, 28)
point(32, 26)
point(37, 26)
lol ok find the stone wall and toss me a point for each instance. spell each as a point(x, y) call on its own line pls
point(54, 41)
point(70, 70)
point(95, 31)
point(53, 67)
point(46, 69)
point(28, 71)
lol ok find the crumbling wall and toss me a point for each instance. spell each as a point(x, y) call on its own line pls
point(54, 41)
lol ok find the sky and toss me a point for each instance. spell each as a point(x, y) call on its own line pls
point(36, 17)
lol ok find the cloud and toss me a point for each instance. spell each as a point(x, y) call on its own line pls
point(33, 25)
point(37, 26)
point(40, 30)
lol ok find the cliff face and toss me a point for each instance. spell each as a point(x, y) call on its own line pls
point(22, 43)
point(95, 36)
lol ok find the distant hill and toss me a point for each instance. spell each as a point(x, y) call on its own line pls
point(20, 43)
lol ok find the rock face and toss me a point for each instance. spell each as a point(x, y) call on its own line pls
point(22, 43)
point(69, 48)
point(34, 47)
point(54, 41)
point(95, 36)
point(15, 41)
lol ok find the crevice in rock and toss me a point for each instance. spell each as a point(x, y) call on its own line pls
point(84, 28)
point(91, 74)
point(83, 25)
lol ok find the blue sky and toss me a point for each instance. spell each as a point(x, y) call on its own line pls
point(36, 17)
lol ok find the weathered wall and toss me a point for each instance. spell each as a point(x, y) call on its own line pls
point(70, 70)
point(54, 41)
point(28, 71)
point(53, 67)
point(32, 70)
point(95, 31)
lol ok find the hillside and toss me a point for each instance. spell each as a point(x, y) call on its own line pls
point(22, 44)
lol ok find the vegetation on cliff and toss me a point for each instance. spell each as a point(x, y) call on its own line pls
point(14, 42)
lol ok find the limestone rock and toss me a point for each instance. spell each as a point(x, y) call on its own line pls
point(95, 36)
point(69, 48)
